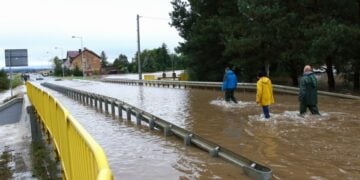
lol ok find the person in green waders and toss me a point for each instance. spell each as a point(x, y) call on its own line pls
point(308, 92)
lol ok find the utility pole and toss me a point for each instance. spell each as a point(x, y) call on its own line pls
point(138, 46)
point(11, 77)
point(61, 58)
point(83, 64)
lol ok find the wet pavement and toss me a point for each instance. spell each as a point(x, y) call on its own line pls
point(314, 147)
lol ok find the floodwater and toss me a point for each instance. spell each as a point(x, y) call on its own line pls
point(314, 147)
point(15, 138)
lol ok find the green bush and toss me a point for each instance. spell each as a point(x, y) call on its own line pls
point(77, 71)
point(4, 81)
point(17, 80)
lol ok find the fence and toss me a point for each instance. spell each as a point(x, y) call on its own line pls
point(217, 85)
point(81, 157)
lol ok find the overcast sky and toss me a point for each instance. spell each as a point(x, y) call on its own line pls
point(104, 25)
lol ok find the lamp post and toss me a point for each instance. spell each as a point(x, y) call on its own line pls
point(62, 62)
point(82, 57)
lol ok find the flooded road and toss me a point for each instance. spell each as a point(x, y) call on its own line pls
point(313, 147)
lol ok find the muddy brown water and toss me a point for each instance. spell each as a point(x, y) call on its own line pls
point(314, 147)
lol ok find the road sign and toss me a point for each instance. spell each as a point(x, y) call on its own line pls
point(16, 57)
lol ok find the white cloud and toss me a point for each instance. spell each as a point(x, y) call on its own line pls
point(109, 25)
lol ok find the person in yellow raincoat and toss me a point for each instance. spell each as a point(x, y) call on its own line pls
point(264, 93)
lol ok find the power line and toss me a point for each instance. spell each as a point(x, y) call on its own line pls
point(157, 18)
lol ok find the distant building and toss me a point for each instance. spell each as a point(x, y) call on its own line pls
point(92, 61)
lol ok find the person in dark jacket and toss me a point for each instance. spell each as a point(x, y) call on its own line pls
point(308, 92)
point(229, 85)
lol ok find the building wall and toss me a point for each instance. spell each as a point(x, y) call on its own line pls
point(93, 64)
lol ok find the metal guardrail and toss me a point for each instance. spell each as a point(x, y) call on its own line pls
point(217, 85)
point(116, 107)
point(81, 157)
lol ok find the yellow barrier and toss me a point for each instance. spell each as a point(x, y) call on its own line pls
point(149, 77)
point(81, 157)
point(183, 77)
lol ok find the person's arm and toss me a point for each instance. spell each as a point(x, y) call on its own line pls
point(271, 92)
point(258, 91)
point(302, 90)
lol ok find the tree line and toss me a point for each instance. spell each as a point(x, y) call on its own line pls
point(279, 36)
point(157, 59)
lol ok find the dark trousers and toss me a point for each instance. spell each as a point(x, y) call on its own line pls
point(313, 108)
point(266, 111)
point(229, 95)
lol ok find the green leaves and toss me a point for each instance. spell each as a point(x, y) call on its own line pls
point(249, 35)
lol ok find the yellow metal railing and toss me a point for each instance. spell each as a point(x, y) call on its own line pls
point(81, 157)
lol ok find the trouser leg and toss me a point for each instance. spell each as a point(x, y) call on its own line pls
point(227, 95)
point(232, 96)
point(314, 109)
point(302, 108)
point(266, 111)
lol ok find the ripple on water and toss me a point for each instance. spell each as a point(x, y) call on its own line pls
point(291, 116)
point(231, 105)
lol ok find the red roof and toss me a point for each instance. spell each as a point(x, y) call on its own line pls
point(72, 54)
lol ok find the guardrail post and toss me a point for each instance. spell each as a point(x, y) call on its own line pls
point(167, 130)
point(138, 118)
point(113, 108)
point(96, 102)
point(214, 152)
point(100, 103)
point(90, 100)
point(87, 99)
point(78, 97)
point(152, 123)
point(128, 113)
point(83, 99)
point(120, 110)
point(187, 139)
point(106, 106)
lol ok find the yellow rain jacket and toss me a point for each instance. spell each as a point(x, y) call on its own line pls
point(264, 93)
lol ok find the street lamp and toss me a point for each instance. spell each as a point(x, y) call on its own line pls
point(62, 62)
point(82, 57)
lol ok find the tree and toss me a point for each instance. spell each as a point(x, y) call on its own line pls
point(121, 63)
point(103, 57)
point(198, 24)
point(148, 60)
point(275, 35)
point(330, 33)
point(57, 66)
point(157, 59)
point(4, 81)
point(163, 57)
